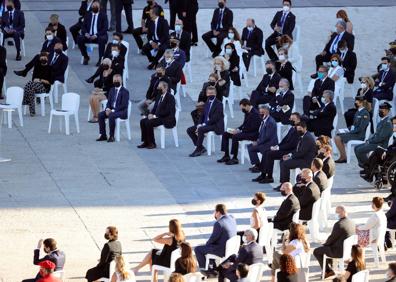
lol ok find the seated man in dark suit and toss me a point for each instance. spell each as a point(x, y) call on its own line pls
point(212, 119)
point(267, 138)
point(163, 113)
point(282, 105)
point(334, 245)
point(85, 8)
point(329, 166)
point(184, 38)
point(173, 69)
point(94, 30)
point(321, 120)
point(58, 62)
point(283, 23)
point(289, 206)
point(59, 30)
point(178, 53)
point(221, 22)
point(224, 228)
point(308, 193)
point(117, 40)
point(323, 82)
point(266, 90)
point(332, 45)
point(249, 253)
point(247, 131)
point(13, 25)
point(252, 42)
point(319, 177)
point(157, 36)
point(301, 157)
point(385, 81)
point(285, 147)
point(349, 61)
point(117, 107)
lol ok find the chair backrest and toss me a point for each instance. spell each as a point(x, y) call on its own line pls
point(330, 182)
point(348, 243)
point(112, 267)
point(335, 122)
point(70, 102)
point(177, 113)
point(368, 132)
point(265, 234)
point(315, 210)
point(193, 277)
point(255, 272)
point(66, 74)
point(232, 246)
point(129, 109)
point(296, 34)
point(361, 276)
point(296, 217)
point(14, 96)
point(174, 256)
point(126, 44)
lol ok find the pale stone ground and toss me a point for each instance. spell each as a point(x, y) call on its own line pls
point(71, 188)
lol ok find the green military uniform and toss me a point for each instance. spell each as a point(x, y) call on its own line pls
point(360, 122)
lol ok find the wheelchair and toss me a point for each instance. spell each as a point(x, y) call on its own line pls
point(385, 174)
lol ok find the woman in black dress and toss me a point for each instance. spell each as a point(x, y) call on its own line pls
point(231, 55)
point(355, 265)
point(284, 67)
point(288, 269)
point(171, 241)
point(186, 263)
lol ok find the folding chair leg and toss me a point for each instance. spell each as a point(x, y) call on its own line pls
point(42, 106)
point(162, 132)
point(20, 116)
point(175, 137)
point(77, 122)
point(128, 129)
point(67, 124)
point(50, 124)
point(9, 119)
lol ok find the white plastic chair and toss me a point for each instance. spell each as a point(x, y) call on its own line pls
point(187, 69)
point(14, 98)
point(352, 143)
point(230, 101)
point(303, 261)
point(64, 85)
point(313, 224)
point(67, 44)
point(166, 270)
point(296, 77)
point(276, 232)
point(339, 92)
point(243, 149)
point(126, 122)
point(103, 105)
point(42, 97)
point(177, 95)
point(111, 271)
point(255, 58)
point(174, 131)
point(125, 76)
point(333, 133)
point(243, 73)
point(193, 277)
point(256, 272)
point(361, 276)
point(265, 236)
point(325, 204)
point(232, 248)
point(347, 246)
point(59, 274)
point(70, 106)
point(297, 35)
point(210, 142)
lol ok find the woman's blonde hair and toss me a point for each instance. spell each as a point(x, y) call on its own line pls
point(120, 268)
point(223, 61)
point(175, 228)
point(369, 80)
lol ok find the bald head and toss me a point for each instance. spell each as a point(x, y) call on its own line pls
point(307, 174)
point(287, 188)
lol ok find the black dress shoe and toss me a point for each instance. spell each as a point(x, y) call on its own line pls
point(102, 138)
point(111, 29)
point(151, 66)
point(255, 170)
point(196, 153)
point(203, 151)
point(314, 76)
point(250, 168)
point(277, 188)
point(363, 171)
point(224, 159)
point(10, 43)
point(339, 161)
point(194, 43)
point(22, 73)
point(143, 145)
point(128, 31)
point(18, 58)
point(151, 146)
point(259, 178)
point(233, 161)
point(86, 60)
point(111, 139)
point(267, 180)
point(89, 80)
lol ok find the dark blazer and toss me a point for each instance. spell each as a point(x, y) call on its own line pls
point(228, 18)
point(391, 216)
point(311, 194)
point(349, 64)
point(223, 229)
point(306, 149)
point(268, 135)
point(269, 81)
point(173, 71)
point(110, 250)
point(387, 84)
point(320, 179)
point(18, 21)
point(57, 257)
point(329, 167)
point(284, 277)
point(250, 254)
point(286, 71)
point(184, 42)
point(122, 102)
point(284, 215)
point(290, 141)
point(323, 119)
point(165, 110)
point(349, 38)
point(61, 33)
point(102, 24)
point(382, 133)
point(180, 56)
point(48, 46)
point(254, 41)
point(59, 66)
point(3, 58)
point(342, 229)
point(162, 31)
point(107, 53)
point(282, 100)
point(17, 5)
point(152, 91)
point(216, 117)
point(251, 122)
point(83, 9)
point(289, 24)
point(320, 86)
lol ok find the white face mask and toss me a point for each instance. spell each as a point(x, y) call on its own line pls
point(250, 28)
point(231, 35)
point(228, 51)
point(115, 42)
point(168, 60)
point(363, 85)
point(115, 53)
point(286, 8)
point(384, 67)
point(285, 46)
point(282, 57)
point(323, 99)
point(49, 37)
point(178, 28)
point(218, 67)
point(244, 239)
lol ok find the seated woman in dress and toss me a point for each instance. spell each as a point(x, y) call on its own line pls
point(284, 67)
point(336, 71)
point(102, 86)
point(355, 265)
point(234, 38)
point(288, 269)
point(121, 274)
point(171, 240)
point(233, 59)
point(42, 80)
point(186, 263)
point(221, 68)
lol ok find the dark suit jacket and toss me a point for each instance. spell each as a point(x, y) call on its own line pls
point(3, 62)
point(174, 72)
point(342, 229)
point(180, 57)
point(152, 91)
point(17, 5)
point(223, 229)
point(349, 38)
point(387, 83)
point(166, 110)
point(102, 24)
point(18, 21)
point(185, 42)
point(284, 215)
point(255, 41)
point(391, 216)
point(349, 64)
point(122, 102)
point(57, 257)
point(321, 180)
point(329, 167)
point(59, 66)
point(323, 119)
point(162, 31)
point(289, 24)
point(290, 141)
point(306, 150)
point(110, 250)
point(107, 53)
point(283, 100)
point(61, 34)
point(268, 135)
point(310, 195)
point(228, 18)
point(216, 117)
point(250, 254)
point(83, 9)
point(286, 71)
point(284, 277)
point(251, 122)
point(382, 134)
point(320, 86)
point(48, 46)
point(269, 81)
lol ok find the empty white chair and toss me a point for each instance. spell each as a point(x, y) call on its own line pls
point(103, 105)
point(187, 69)
point(126, 122)
point(361, 276)
point(265, 236)
point(111, 271)
point(70, 106)
point(166, 270)
point(348, 243)
point(58, 83)
point(193, 277)
point(125, 75)
point(352, 143)
point(254, 59)
point(14, 98)
point(232, 248)
point(243, 149)
point(256, 272)
point(174, 131)
point(339, 92)
point(42, 97)
point(210, 143)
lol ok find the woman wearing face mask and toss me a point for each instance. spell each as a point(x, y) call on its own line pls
point(342, 15)
point(354, 266)
point(336, 71)
point(391, 273)
point(234, 38)
point(102, 86)
point(232, 57)
point(284, 67)
point(42, 80)
point(221, 67)
point(286, 43)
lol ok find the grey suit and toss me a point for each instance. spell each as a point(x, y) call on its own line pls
point(379, 138)
point(310, 195)
point(334, 245)
point(320, 179)
point(360, 122)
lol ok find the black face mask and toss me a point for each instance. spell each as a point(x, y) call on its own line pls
point(117, 84)
point(381, 114)
point(105, 67)
point(268, 70)
point(10, 8)
point(212, 83)
point(300, 132)
point(58, 51)
point(159, 74)
point(292, 122)
point(159, 90)
point(283, 193)
point(149, 2)
point(304, 181)
point(43, 61)
point(173, 45)
point(245, 111)
point(356, 106)
point(95, 9)
point(254, 202)
point(221, 5)
point(107, 236)
point(262, 116)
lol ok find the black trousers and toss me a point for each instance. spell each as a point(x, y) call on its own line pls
point(173, 11)
point(286, 166)
point(190, 24)
point(147, 51)
point(127, 6)
point(17, 36)
point(2, 75)
point(100, 40)
point(319, 254)
point(137, 34)
point(246, 57)
point(281, 116)
point(308, 105)
point(147, 129)
point(235, 138)
point(267, 163)
point(207, 37)
point(112, 118)
point(258, 98)
point(75, 31)
point(269, 42)
point(199, 137)
point(321, 59)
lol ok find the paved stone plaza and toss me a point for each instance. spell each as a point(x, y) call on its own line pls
point(70, 187)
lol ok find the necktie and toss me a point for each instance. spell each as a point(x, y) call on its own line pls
point(93, 24)
point(11, 19)
point(249, 34)
point(115, 100)
point(261, 126)
point(282, 22)
point(159, 103)
point(335, 44)
point(220, 19)
point(343, 54)
point(54, 60)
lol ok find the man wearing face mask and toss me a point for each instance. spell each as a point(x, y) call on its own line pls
point(58, 62)
point(333, 247)
point(3, 5)
point(221, 22)
point(173, 69)
point(183, 37)
point(384, 82)
point(379, 139)
point(117, 40)
point(309, 192)
point(321, 120)
point(283, 23)
point(110, 250)
point(247, 131)
point(178, 54)
point(282, 105)
point(212, 119)
point(266, 90)
point(349, 60)
point(252, 42)
point(13, 26)
point(117, 107)
point(59, 29)
point(85, 8)
point(176, 7)
point(289, 206)
point(319, 177)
